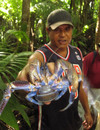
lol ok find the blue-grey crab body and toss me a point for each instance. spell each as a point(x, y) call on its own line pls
point(47, 86)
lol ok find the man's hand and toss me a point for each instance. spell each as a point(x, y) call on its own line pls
point(47, 103)
point(87, 124)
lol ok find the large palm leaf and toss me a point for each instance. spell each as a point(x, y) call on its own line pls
point(10, 65)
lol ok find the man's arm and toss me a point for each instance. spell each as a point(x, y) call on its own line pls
point(84, 101)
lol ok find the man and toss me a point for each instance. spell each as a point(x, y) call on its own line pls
point(59, 29)
point(91, 70)
point(91, 67)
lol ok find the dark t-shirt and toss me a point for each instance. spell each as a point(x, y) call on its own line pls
point(52, 117)
point(92, 70)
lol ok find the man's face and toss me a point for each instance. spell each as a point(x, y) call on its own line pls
point(61, 36)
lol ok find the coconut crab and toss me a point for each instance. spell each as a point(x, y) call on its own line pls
point(48, 84)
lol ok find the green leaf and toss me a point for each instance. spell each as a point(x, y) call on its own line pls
point(7, 115)
point(16, 66)
point(17, 106)
point(12, 68)
point(6, 77)
point(10, 73)
point(2, 84)
point(23, 54)
point(81, 43)
point(7, 60)
point(23, 113)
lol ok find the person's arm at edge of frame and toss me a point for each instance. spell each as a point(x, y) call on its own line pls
point(88, 122)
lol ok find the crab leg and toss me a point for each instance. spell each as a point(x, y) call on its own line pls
point(61, 87)
point(71, 100)
point(4, 101)
point(29, 98)
point(61, 94)
point(16, 85)
point(56, 75)
point(24, 85)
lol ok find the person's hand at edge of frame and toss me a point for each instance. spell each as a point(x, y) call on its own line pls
point(88, 122)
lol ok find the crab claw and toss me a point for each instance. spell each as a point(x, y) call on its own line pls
point(34, 69)
point(70, 73)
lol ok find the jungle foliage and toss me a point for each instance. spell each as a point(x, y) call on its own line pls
point(23, 30)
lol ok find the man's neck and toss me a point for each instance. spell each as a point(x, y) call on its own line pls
point(60, 51)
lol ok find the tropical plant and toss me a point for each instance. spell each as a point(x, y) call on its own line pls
point(10, 64)
point(14, 41)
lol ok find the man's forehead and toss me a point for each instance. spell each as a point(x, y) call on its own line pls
point(64, 26)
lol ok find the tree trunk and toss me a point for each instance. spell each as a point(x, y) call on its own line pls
point(32, 35)
point(73, 6)
point(25, 26)
point(97, 33)
point(44, 32)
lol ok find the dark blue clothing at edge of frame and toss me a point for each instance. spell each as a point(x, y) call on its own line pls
point(52, 117)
